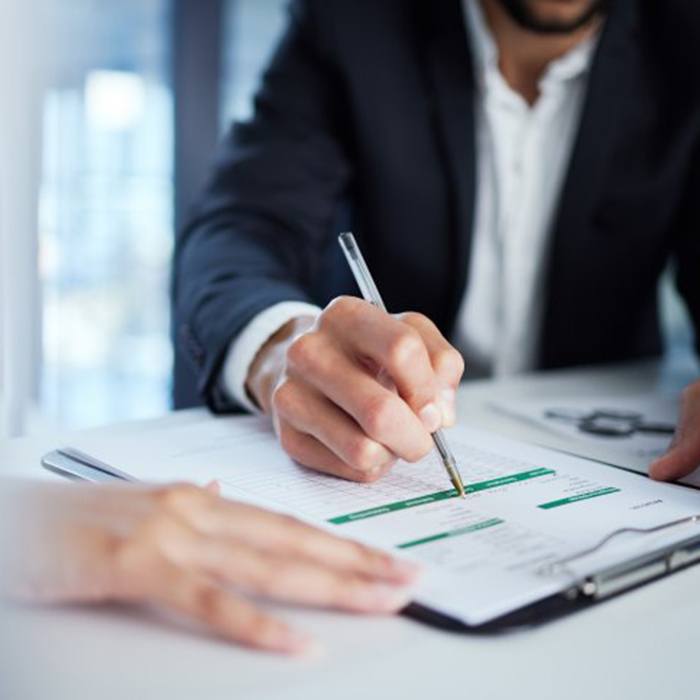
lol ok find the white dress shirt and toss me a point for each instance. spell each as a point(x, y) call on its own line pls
point(522, 157)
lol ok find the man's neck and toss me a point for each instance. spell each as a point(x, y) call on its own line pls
point(524, 55)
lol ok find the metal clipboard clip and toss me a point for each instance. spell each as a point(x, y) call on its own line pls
point(633, 572)
point(74, 464)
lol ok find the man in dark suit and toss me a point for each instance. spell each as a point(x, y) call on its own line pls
point(518, 171)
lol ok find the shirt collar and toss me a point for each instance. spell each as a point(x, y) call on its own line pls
point(573, 64)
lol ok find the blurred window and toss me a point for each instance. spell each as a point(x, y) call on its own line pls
point(106, 197)
point(105, 221)
point(252, 28)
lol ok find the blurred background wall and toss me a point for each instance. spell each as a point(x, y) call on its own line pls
point(111, 113)
point(119, 118)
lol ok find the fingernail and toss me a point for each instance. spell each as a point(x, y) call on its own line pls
point(385, 598)
point(431, 417)
point(657, 472)
point(298, 642)
point(407, 570)
point(315, 650)
point(214, 487)
point(447, 404)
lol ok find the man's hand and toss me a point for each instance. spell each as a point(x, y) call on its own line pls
point(683, 457)
point(354, 390)
point(188, 550)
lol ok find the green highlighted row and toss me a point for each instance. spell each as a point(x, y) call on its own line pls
point(453, 533)
point(439, 496)
point(391, 507)
point(506, 480)
point(577, 498)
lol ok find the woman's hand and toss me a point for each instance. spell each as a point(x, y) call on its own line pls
point(190, 550)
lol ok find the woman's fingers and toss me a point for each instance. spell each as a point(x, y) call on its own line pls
point(294, 580)
point(162, 563)
point(189, 514)
point(285, 536)
point(201, 599)
point(193, 541)
point(169, 561)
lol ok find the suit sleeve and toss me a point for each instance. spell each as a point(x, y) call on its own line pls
point(255, 237)
point(688, 249)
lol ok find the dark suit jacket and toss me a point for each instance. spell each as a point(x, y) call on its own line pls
point(367, 108)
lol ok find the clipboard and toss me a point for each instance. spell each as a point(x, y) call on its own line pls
point(594, 588)
point(597, 587)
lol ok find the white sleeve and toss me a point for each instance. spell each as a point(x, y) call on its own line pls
point(245, 346)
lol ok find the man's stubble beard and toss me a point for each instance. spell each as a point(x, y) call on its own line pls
point(522, 14)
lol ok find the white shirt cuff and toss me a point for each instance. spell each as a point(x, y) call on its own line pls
point(245, 346)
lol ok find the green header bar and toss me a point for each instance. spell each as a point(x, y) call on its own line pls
point(439, 496)
point(506, 480)
point(579, 497)
point(453, 533)
point(391, 507)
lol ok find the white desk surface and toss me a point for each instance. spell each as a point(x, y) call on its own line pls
point(642, 645)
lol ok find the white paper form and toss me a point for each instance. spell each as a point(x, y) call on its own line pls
point(485, 555)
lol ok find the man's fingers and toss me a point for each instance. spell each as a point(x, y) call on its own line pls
point(446, 361)
point(331, 390)
point(680, 461)
point(309, 412)
point(382, 415)
point(397, 348)
point(307, 450)
point(298, 581)
point(683, 457)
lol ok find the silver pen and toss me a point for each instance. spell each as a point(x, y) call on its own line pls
point(370, 293)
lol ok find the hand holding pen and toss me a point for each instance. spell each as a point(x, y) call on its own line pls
point(370, 293)
point(318, 379)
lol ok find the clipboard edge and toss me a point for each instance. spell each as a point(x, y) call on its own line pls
point(570, 600)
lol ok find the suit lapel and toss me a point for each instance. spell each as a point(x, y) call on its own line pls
point(601, 121)
point(451, 81)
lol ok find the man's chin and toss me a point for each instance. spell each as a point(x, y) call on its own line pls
point(543, 17)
